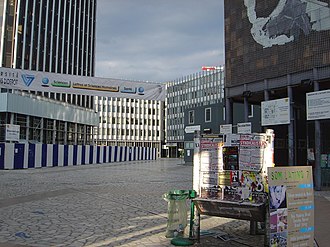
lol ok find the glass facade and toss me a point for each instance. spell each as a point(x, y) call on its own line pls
point(48, 35)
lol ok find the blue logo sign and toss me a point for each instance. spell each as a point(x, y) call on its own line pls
point(28, 79)
point(141, 90)
point(45, 82)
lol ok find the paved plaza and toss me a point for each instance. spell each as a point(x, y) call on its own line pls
point(118, 204)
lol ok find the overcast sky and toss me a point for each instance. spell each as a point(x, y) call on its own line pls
point(158, 40)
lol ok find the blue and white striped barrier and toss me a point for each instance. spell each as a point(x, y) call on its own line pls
point(21, 155)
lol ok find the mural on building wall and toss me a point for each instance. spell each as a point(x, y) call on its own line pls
point(273, 38)
point(287, 21)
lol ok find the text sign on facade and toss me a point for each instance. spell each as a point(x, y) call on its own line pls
point(291, 202)
point(244, 128)
point(318, 105)
point(226, 129)
point(192, 129)
point(12, 132)
point(275, 112)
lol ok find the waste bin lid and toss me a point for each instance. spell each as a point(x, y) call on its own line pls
point(177, 194)
point(181, 242)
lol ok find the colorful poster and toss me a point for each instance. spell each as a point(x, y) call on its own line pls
point(211, 154)
point(230, 158)
point(251, 152)
point(291, 204)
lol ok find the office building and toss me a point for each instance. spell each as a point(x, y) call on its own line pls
point(47, 36)
point(129, 122)
point(196, 90)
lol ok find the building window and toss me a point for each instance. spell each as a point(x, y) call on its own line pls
point(250, 111)
point(191, 117)
point(207, 115)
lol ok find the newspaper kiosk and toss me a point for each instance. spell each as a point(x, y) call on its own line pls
point(230, 177)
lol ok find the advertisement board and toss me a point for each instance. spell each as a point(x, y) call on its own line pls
point(63, 83)
point(232, 171)
point(291, 206)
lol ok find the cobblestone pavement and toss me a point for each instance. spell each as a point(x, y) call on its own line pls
point(118, 204)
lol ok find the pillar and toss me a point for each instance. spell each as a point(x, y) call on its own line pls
point(317, 151)
point(291, 147)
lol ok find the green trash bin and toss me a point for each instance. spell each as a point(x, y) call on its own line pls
point(177, 212)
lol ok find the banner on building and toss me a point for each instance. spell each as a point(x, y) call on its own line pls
point(291, 202)
point(63, 83)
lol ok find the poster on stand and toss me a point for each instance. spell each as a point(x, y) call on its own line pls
point(251, 153)
point(291, 206)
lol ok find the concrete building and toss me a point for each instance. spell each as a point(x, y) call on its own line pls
point(278, 56)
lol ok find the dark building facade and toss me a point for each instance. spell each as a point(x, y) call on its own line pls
point(207, 120)
point(281, 49)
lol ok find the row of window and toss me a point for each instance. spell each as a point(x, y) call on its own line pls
point(129, 121)
point(129, 132)
point(195, 80)
point(127, 109)
point(195, 94)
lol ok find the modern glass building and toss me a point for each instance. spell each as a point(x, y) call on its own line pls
point(55, 36)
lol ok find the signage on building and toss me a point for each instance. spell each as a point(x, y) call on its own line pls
point(12, 132)
point(226, 129)
point(318, 105)
point(291, 206)
point(244, 128)
point(209, 68)
point(192, 129)
point(275, 112)
point(63, 83)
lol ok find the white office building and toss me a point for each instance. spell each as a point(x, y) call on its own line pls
point(129, 122)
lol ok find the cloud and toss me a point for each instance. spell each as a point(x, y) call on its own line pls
point(157, 40)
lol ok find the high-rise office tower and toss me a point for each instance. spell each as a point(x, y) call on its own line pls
point(48, 35)
point(56, 36)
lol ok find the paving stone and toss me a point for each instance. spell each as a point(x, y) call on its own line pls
point(105, 205)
